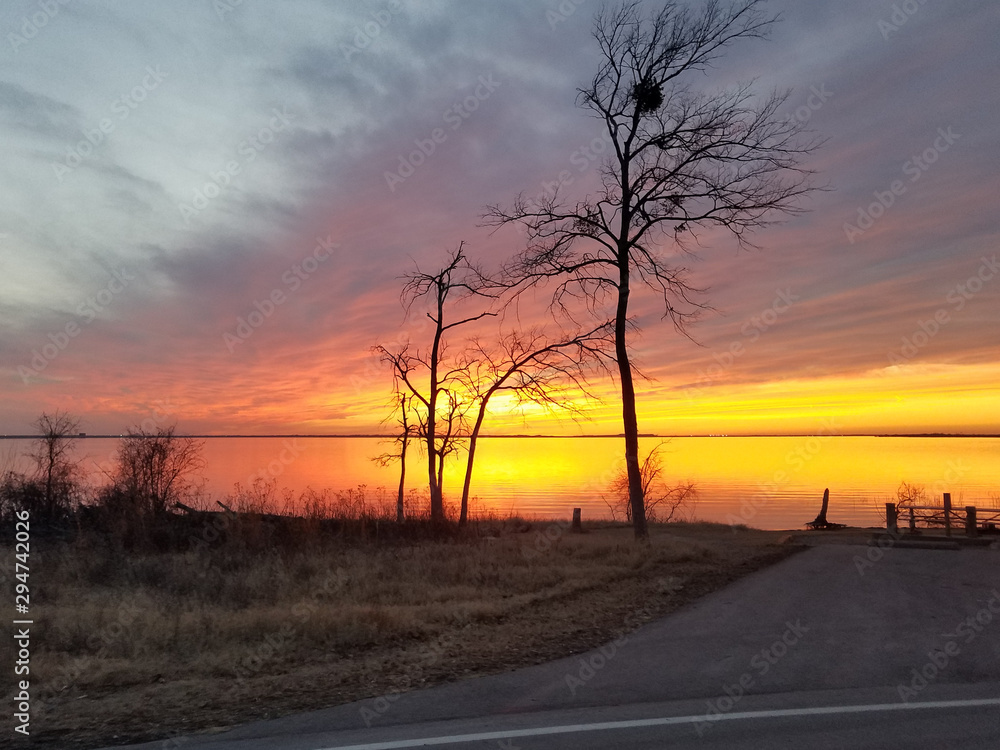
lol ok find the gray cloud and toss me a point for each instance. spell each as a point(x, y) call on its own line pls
point(361, 103)
point(37, 114)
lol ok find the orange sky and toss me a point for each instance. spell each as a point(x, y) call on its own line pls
point(120, 305)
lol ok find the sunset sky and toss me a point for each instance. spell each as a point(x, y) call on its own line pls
point(170, 169)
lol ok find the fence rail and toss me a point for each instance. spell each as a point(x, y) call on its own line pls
point(971, 517)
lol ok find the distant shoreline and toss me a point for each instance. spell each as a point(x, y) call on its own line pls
point(569, 437)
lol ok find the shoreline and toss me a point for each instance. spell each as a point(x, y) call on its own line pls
point(373, 436)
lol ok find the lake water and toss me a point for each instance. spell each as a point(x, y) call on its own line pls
point(767, 482)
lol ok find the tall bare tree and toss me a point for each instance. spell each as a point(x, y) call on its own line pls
point(680, 161)
point(533, 369)
point(425, 374)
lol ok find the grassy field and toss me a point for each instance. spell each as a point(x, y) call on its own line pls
point(131, 646)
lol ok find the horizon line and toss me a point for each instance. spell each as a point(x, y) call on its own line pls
point(102, 436)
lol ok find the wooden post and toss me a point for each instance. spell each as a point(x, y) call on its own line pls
point(947, 514)
point(577, 521)
point(891, 524)
point(913, 522)
point(970, 520)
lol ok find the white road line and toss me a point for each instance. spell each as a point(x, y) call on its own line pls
point(663, 721)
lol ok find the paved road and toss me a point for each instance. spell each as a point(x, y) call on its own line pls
point(836, 626)
point(763, 722)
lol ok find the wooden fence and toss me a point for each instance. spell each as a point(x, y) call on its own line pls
point(971, 517)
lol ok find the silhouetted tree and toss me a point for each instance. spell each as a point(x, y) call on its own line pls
point(154, 470)
point(55, 469)
point(401, 414)
point(662, 503)
point(680, 161)
point(424, 374)
point(450, 429)
point(531, 368)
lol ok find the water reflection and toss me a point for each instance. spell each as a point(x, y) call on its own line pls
point(768, 482)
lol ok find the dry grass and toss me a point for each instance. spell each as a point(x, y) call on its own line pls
point(129, 646)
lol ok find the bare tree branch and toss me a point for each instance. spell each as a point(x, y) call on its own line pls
point(534, 369)
point(423, 379)
point(681, 161)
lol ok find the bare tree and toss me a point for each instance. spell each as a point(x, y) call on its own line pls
point(424, 374)
point(451, 427)
point(154, 469)
point(531, 368)
point(662, 502)
point(680, 161)
point(55, 470)
point(402, 415)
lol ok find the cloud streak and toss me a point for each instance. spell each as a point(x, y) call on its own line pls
point(292, 119)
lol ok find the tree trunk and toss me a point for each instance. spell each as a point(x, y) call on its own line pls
point(464, 514)
point(440, 484)
point(437, 505)
point(402, 478)
point(630, 422)
point(437, 501)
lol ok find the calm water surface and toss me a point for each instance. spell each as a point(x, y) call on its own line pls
point(767, 482)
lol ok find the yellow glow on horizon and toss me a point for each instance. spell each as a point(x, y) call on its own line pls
point(901, 399)
point(946, 398)
point(917, 398)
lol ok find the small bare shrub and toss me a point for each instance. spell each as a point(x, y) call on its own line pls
point(663, 504)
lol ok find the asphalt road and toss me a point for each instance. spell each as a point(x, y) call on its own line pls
point(829, 648)
point(957, 722)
